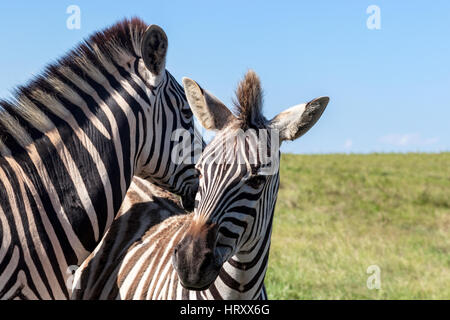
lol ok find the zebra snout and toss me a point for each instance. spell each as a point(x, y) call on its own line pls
point(195, 260)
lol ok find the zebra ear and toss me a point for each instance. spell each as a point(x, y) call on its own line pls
point(296, 121)
point(154, 49)
point(210, 111)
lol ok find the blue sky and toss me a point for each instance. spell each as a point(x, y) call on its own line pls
point(389, 88)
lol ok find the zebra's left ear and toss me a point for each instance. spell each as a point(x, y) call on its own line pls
point(154, 49)
point(296, 121)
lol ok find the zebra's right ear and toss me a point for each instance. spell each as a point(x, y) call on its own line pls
point(154, 49)
point(209, 111)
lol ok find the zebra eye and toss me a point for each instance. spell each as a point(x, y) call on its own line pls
point(187, 112)
point(256, 181)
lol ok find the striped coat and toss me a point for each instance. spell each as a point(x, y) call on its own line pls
point(70, 142)
point(221, 250)
point(133, 261)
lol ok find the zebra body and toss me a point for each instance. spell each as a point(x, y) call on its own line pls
point(70, 143)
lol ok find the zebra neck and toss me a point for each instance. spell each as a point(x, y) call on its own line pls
point(244, 273)
point(78, 153)
point(247, 269)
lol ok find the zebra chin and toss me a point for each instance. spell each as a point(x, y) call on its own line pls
point(199, 286)
point(198, 280)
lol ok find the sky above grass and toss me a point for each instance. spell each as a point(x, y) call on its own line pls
point(389, 88)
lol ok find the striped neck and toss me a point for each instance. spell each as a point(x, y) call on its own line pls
point(83, 128)
point(244, 273)
point(82, 143)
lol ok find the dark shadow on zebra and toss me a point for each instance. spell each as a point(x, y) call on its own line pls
point(128, 231)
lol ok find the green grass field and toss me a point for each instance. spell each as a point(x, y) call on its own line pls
point(338, 214)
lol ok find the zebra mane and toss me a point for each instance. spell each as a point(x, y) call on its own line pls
point(249, 101)
point(115, 45)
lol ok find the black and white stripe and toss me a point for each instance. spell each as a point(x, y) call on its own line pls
point(133, 259)
point(226, 246)
point(70, 143)
point(221, 250)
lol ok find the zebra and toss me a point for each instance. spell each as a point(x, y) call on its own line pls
point(71, 141)
point(221, 249)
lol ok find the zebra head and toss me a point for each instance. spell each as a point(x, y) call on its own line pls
point(239, 179)
point(167, 156)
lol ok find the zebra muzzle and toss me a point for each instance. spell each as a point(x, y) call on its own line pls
point(195, 258)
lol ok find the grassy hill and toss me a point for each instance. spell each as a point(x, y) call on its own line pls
point(337, 215)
